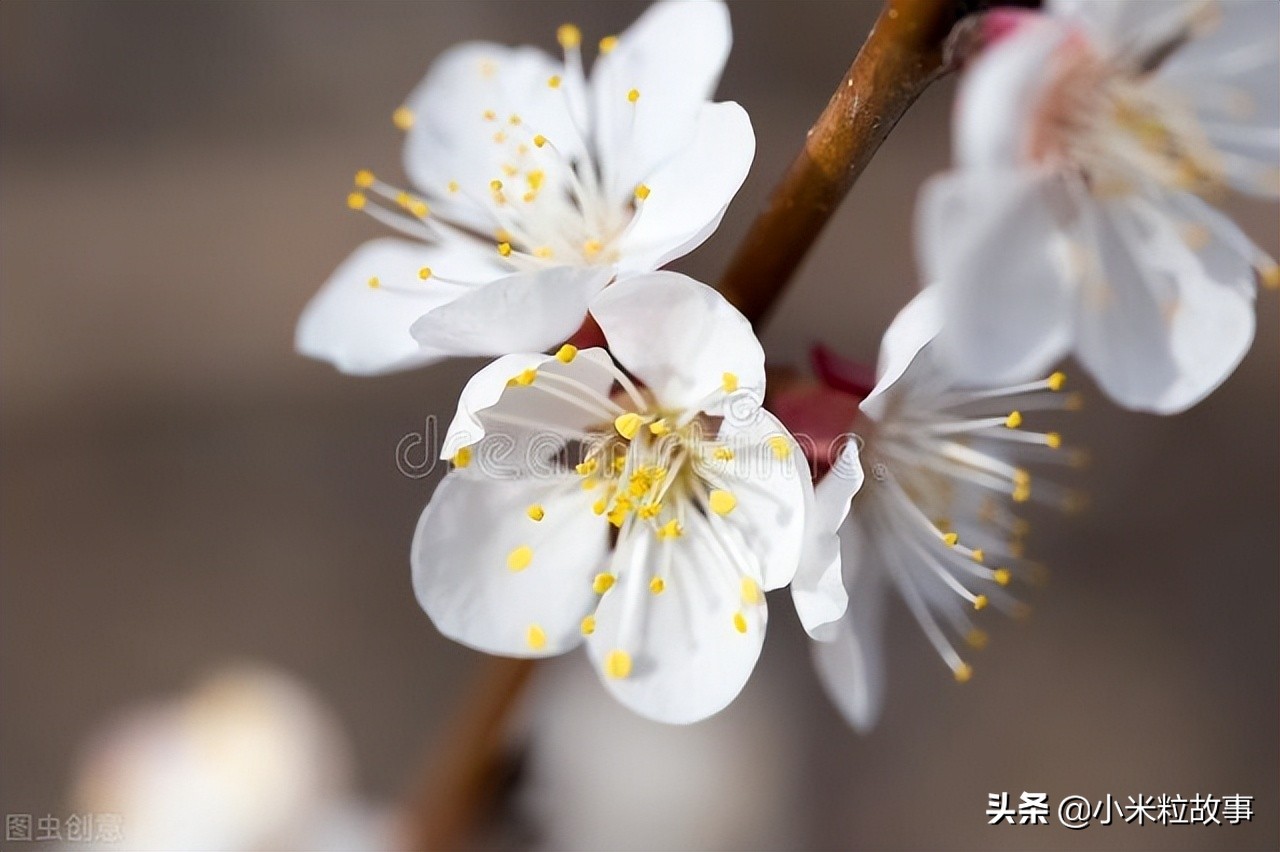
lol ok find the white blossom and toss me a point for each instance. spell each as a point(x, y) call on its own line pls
point(534, 187)
point(1089, 141)
point(647, 519)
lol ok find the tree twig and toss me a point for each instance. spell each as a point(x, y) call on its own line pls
point(903, 54)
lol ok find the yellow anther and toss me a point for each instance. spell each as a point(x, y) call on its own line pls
point(599, 506)
point(462, 457)
point(1021, 493)
point(739, 622)
point(628, 424)
point(364, 178)
point(539, 140)
point(977, 638)
point(374, 283)
point(590, 483)
point(642, 191)
point(649, 511)
point(402, 118)
point(588, 625)
point(603, 583)
point(963, 673)
point(607, 44)
point(980, 602)
point(657, 585)
point(355, 200)
point(500, 137)
point(1001, 576)
point(1270, 276)
point(781, 446)
point(729, 382)
point(587, 467)
point(490, 115)
point(750, 590)
point(659, 427)
point(514, 120)
point(619, 463)
point(723, 454)
point(950, 539)
point(453, 186)
point(554, 81)
point(502, 235)
point(536, 512)
point(591, 248)
point(535, 178)
point(519, 559)
point(495, 185)
point(504, 249)
point(1014, 420)
point(569, 36)
point(671, 529)
point(565, 354)
point(424, 273)
point(510, 170)
point(419, 208)
point(722, 502)
point(1021, 476)
point(543, 252)
point(525, 377)
point(536, 637)
point(403, 199)
point(1056, 381)
point(979, 555)
point(1054, 440)
point(633, 95)
point(617, 664)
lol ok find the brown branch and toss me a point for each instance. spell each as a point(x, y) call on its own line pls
point(464, 768)
point(903, 54)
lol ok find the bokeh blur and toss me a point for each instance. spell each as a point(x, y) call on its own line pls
point(179, 490)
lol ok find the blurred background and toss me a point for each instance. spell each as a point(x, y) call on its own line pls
point(180, 491)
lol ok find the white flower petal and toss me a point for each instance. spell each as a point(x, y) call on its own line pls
point(691, 190)
point(1160, 327)
point(818, 588)
point(524, 312)
point(912, 329)
point(674, 50)
point(467, 97)
point(851, 664)
point(686, 658)
point(1001, 93)
point(769, 476)
point(490, 395)
point(679, 337)
point(988, 240)
point(468, 541)
point(364, 329)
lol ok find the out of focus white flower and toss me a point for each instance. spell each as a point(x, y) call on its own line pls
point(686, 502)
point(935, 516)
point(1087, 141)
point(248, 760)
point(534, 187)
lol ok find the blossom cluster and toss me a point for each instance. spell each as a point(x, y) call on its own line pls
point(658, 499)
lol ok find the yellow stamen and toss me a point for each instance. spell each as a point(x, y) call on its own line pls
point(1054, 440)
point(729, 382)
point(356, 201)
point(617, 664)
point(607, 44)
point(587, 467)
point(951, 539)
point(490, 115)
point(628, 424)
point(495, 185)
point(453, 186)
point(591, 248)
point(536, 512)
point(539, 140)
point(649, 511)
point(1014, 420)
point(739, 622)
point(642, 191)
point(781, 447)
point(980, 602)
point(424, 273)
point(504, 249)
point(536, 637)
point(554, 81)
point(963, 673)
point(723, 454)
point(633, 95)
point(751, 593)
point(1056, 381)
point(543, 252)
point(402, 118)
point(569, 36)
point(1270, 275)
point(364, 178)
point(722, 502)
point(659, 427)
point(514, 120)
point(603, 583)
point(462, 457)
point(671, 529)
point(374, 283)
point(979, 555)
point(588, 625)
point(657, 585)
point(519, 559)
point(1001, 576)
point(1021, 493)
point(525, 377)
point(565, 354)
